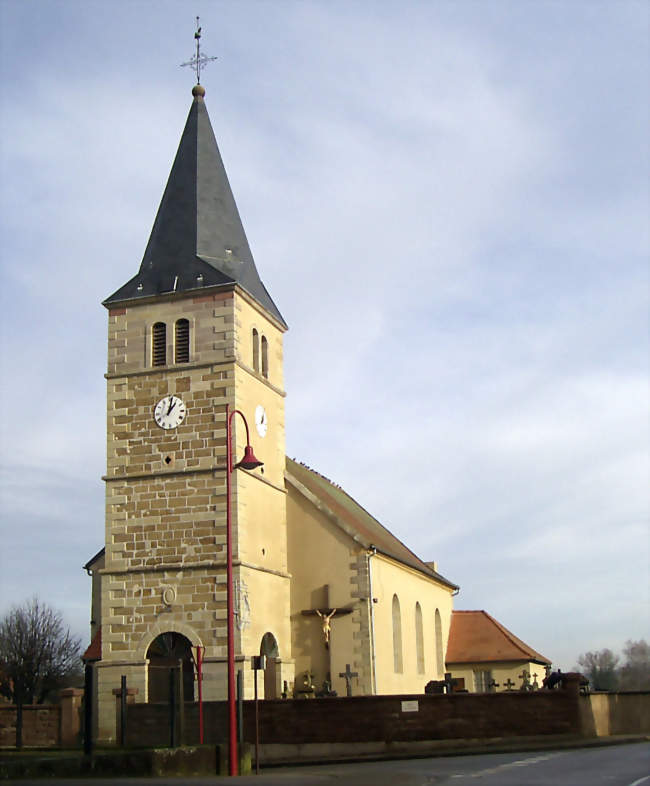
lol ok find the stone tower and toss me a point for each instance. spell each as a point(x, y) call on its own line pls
point(195, 330)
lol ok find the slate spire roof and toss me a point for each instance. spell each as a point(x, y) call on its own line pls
point(198, 239)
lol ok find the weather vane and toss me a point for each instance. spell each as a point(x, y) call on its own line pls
point(198, 60)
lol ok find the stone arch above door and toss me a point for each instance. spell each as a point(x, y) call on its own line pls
point(163, 656)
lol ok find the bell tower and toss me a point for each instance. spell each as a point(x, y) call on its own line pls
point(193, 331)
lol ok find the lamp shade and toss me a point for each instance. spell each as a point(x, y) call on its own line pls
point(249, 461)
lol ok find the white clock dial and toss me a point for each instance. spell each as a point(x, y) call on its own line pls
point(261, 420)
point(169, 412)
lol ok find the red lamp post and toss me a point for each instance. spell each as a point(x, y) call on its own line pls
point(248, 462)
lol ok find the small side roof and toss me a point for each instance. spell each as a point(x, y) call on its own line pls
point(476, 637)
point(94, 651)
point(355, 520)
point(91, 562)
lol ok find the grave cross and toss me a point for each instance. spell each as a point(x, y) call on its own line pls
point(535, 685)
point(347, 676)
point(509, 684)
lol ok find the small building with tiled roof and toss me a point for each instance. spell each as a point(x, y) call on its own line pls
point(484, 656)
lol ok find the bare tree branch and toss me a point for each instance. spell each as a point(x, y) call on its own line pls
point(36, 652)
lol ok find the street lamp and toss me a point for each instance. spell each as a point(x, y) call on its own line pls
point(248, 462)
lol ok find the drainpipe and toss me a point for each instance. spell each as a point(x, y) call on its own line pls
point(373, 671)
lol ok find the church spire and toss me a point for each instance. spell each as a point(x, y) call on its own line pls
point(198, 239)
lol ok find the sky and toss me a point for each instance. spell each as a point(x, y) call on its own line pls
point(448, 201)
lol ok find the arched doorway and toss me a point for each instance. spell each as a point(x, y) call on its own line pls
point(164, 653)
point(269, 648)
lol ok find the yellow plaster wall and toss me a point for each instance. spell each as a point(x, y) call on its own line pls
point(388, 578)
point(501, 672)
point(320, 554)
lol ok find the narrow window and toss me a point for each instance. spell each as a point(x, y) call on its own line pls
point(265, 357)
point(397, 637)
point(419, 638)
point(256, 350)
point(182, 342)
point(483, 681)
point(439, 655)
point(159, 344)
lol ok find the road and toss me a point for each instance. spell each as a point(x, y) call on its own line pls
point(618, 765)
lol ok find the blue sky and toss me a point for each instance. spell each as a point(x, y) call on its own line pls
point(448, 201)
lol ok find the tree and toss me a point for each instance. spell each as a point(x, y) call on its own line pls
point(600, 668)
point(634, 674)
point(37, 652)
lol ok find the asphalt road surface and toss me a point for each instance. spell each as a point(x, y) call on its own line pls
point(619, 765)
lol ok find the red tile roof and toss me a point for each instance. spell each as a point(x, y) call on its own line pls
point(476, 637)
point(94, 651)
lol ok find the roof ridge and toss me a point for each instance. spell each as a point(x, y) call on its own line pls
point(409, 558)
point(520, 644)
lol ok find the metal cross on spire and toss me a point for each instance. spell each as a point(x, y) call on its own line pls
point(198, 60)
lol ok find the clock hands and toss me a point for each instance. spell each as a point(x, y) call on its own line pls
point(170, 411)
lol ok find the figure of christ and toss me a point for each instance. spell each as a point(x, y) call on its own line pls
point(327, 625)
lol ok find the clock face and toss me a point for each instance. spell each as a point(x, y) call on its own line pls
point(261, 420)
point(169, 412)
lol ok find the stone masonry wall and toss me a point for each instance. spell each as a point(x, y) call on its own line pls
point(166, 489)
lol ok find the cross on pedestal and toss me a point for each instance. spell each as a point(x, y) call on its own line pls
point(347, 676)
point(509, 685)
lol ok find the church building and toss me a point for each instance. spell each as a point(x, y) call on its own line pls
point(333, 599)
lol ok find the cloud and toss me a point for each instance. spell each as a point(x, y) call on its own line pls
point(449, 205)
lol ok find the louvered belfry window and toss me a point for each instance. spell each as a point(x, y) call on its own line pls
point(182, 342)
point(159, 344)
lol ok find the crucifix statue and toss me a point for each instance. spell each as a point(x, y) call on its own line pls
point(327, 613)
point(327, 625)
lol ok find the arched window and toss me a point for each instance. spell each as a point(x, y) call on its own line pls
point(182, 342)
point(440, 665)
point(159, 344)
point(256, 350)
point(265, 357)
point(397, 637)
point(419, 638)
point(269, 647)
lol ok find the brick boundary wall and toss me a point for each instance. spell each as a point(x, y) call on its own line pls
point(41, 725)
point(44, 725)
point(371, 718)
